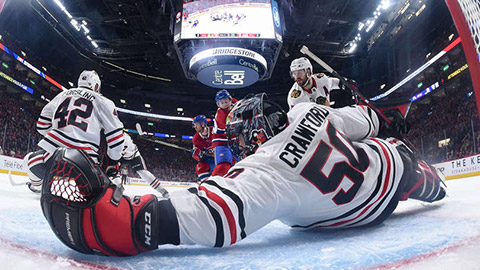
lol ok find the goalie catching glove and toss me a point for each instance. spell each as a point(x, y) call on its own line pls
point(91, 215)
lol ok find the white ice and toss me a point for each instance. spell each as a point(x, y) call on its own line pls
point(442, 235)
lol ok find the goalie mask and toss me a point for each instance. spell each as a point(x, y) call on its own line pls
point(252, 122)
point(89, 79)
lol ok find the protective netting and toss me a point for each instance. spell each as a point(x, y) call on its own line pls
point(471, 11)
point(64, 183)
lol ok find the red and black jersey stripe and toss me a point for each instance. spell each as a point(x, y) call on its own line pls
point(75, 140)
point(220, 238)
point(238, 202)
point(115, 139)
point(389, 191)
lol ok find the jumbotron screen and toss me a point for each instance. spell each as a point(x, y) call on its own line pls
point(203, 19)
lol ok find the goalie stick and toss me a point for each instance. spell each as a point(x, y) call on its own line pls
point(362, 98)
point(143, 134)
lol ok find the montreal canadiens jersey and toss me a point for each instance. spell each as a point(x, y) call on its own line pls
point(322, 85)
point(201, 144)
point(219, 135)
point(325, 170)
point(75, 118)
point(130, 150)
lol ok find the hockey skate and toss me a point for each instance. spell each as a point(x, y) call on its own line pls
point(429, 185)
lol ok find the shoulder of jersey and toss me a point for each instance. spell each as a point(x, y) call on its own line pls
point(195, 137)
point(295, 91)
point(319, 75)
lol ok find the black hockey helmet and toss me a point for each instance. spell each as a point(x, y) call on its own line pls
point(255, 120)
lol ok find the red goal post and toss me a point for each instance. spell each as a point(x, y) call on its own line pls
point(466, 16)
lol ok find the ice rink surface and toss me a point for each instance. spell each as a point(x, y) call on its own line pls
point(442, 235)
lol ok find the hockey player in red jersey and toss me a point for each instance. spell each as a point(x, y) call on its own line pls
point(202, 147)
point(74, 119)
point(223, 155)
point(315, 167)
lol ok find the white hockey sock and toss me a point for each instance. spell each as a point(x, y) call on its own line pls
point(153, 181)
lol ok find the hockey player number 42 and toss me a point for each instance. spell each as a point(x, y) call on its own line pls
point(69, 117)
point(350, 170)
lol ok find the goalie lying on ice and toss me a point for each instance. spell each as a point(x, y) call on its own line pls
point(315, 167)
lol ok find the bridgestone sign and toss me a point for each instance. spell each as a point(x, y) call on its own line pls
point(228, 67)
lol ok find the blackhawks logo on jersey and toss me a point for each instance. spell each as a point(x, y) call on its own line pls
point(295, 93)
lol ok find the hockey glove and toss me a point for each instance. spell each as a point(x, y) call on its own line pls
point(344, 96)
point(398, 124)
point(110, 166)
point(91, 216)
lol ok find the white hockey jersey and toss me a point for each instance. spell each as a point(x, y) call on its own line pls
point(130, 149)
point(323, 171)
point(75, 119)
point(322, 85)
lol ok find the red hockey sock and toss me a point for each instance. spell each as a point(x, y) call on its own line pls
point(221, 169)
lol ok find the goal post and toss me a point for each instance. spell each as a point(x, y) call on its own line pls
point(466, 16)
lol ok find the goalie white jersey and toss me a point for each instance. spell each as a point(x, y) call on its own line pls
point(322, 85)
point(75, 119)
point(323, 171)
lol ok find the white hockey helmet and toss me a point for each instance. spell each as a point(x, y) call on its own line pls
point(299, 64)
point(89, 79)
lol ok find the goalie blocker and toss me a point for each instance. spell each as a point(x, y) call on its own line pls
point(90, 215)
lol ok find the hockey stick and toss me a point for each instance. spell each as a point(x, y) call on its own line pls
point(168, 144)
point(143, 134)
point(362, 98)
point(315, 58)
point(13, 183)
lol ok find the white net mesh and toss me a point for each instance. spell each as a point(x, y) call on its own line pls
point(67, 188)
point(471, 11)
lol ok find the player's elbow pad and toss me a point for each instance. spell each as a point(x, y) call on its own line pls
point(92, 217)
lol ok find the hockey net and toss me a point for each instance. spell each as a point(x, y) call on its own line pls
point(466, 15)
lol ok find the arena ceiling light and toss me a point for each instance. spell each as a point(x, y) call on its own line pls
point(420, 10)
point(367, 26)
point(123, 101)
point(76, 24)
point(385, 4)
point(62, 7)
